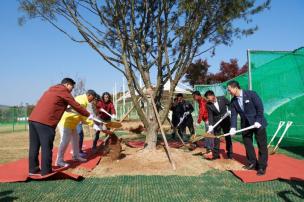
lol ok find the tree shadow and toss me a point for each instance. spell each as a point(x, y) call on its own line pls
point(5, 196)
point(298, 190)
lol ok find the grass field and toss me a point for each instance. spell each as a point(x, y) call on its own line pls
point(212, 186)
point(12, 127)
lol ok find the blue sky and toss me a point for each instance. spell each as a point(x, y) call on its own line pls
point(35, 56)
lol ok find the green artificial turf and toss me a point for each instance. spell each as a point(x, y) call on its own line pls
point(211, 186)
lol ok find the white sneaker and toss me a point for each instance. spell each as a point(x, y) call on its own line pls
point(35, 174)
point(62, 164)
point(79, 159)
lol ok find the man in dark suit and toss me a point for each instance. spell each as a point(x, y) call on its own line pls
point(217, 107)
point(249, 106)
point(184, 109)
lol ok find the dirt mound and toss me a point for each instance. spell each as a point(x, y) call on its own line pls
point(114, 147)
point(137, 130)
point(142, 162)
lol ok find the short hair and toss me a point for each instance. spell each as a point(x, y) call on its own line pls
point(196, 93)
point(68, 81)
point(91, 92)
point(209, 93)
point(234, 84)
point(179, 95)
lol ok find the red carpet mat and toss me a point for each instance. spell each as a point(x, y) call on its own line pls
point(279, 167)
point(17, 171)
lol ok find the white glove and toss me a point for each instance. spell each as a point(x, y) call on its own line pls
point(232, 131)
point(186, 113)
point(257, 125)
point(96, 127)
point(229, 112)
point(91, 117)
point(210, 129)
point(114, 116)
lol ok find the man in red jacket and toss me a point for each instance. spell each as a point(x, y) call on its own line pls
point(203, 116)
point(43, 121)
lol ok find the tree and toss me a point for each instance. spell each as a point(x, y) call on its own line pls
point(197, 73)
point(79, 87)
point(228, 70)
point(148, 37)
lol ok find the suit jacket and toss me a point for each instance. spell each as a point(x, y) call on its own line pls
point(213, 114)
point(253, 110)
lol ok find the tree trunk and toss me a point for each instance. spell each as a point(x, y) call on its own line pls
point(152, 127)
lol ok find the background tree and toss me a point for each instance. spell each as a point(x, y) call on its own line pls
point(228, 70)
point(79, 88)
point(148, 37)
point(197, 73)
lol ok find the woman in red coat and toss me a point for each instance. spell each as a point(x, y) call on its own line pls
point(104, 104)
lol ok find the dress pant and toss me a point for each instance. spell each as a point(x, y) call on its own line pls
point(225, 127)
point(97, 133)
point(80, 133)
point(261, 139)
point(188, 122)
point(68, 135)
point(40, 136)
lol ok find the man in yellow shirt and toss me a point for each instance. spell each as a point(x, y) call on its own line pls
point(67, 128)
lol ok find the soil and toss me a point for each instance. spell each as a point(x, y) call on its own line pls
point(134, 161)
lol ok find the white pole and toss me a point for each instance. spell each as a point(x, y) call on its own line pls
point(123, 96)
point(115, 98)
point(114, 102)
point(249, 70)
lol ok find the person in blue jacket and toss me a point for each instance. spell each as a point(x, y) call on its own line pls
point(248, 105)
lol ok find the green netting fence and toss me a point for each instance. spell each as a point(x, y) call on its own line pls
point(278, 77)
point(13, 119)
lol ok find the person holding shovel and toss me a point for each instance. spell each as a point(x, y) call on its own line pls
point(183, 110)
point(68, 129)
point(203, 116)
point(249, 106)
point(106, 111)
point(43, 122)
point(217, 108)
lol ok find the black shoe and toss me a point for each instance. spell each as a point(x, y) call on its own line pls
point(261, 172)
point(250, 167)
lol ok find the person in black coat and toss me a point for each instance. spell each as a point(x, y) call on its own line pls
point(217, 107)
point(174, 118)
point(184, 108)
point(249, 106)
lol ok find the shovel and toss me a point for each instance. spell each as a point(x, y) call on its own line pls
point(208, 135)
point(111, 124)
point(107, 113)
point(271, 150)
point(281, 124)
point(219, 121)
